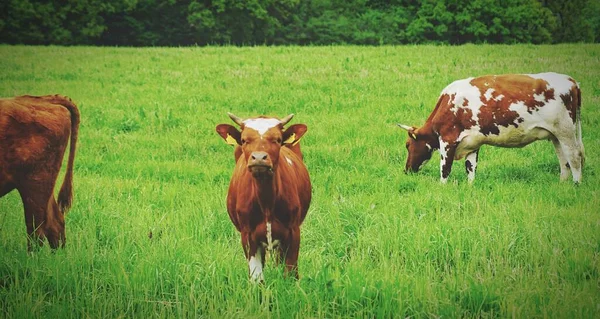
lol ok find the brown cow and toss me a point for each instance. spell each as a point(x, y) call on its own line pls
point(270, 191)
point(502, 110)
point(34, 132)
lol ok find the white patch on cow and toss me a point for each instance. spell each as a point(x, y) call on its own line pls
point(488, 93)
point(462, 89)
point(255, 267)
point(261, 125)
point(559, 82)
point(469, 141)
point(520, 108)
point(539, 97)
point(289, 161)
point(462, 135)
point(444, 157)
point(269, 236)
point(270, 243)
point(499, 97)
point(552, 116)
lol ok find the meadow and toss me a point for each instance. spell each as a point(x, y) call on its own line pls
point(376, 243)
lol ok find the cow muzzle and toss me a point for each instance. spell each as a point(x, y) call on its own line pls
point(260, 165)
point(410, 169)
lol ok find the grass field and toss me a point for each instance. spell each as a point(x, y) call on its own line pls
point(376, 242)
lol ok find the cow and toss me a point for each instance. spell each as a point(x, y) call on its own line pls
point(270, 190)
point(510, 110)
point(34, 133)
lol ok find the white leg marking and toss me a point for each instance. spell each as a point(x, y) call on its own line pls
point(255, 266)
point(444, 157)
point(472, 158)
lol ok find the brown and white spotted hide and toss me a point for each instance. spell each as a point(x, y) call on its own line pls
point(502, 110)
point(270, 190)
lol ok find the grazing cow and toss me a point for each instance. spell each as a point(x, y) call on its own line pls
point(270, 191)
point(34, 132)
point(501, 110)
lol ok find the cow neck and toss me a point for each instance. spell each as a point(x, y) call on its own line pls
point(266, 193)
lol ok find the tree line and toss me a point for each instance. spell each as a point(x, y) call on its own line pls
point(297, 22)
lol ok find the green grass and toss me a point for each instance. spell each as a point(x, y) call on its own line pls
point(376, 242)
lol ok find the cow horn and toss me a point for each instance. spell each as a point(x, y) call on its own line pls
point(286, 119)
point(235, 118)
point(406, 127)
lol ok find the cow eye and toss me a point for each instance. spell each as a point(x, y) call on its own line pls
point(243, 141)
point(279, 141)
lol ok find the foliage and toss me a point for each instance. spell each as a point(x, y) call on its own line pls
point(376, 243)
point(320, 22)
point(57, 22)
point(575, 20)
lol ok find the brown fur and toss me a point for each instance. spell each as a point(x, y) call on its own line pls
point(34, 132)
point(281, 197)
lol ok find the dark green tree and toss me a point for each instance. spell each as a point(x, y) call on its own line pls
point(303, 22)
point(55, 22)
point(574, 19)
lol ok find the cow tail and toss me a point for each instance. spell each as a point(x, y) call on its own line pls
point(65, 196)
point(578, 120)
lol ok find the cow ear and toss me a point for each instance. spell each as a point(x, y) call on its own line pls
point(294, 133)
point(230, 134)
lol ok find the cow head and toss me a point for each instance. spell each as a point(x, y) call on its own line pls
point(420, 147)
point(260, 140)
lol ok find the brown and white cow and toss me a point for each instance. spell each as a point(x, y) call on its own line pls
point(34, 133)
point(501, 110)
point(270, 191)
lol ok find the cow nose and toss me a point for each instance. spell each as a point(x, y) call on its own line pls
point(259, 156)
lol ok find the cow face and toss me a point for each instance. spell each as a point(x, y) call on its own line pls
point(420, 148)
point(260, 140)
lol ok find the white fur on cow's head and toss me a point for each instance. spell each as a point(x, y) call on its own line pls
point(260, 140)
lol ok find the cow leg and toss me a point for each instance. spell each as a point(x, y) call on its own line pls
point(292, 249)
point(447, 151)
point(471, 165)
point(255, 255)
point(574, 155)
point(35, 207)
point(565, 169)
point(42, 215)
point(54, 227)
point(255, 264)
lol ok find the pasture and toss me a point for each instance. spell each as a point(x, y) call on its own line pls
point(375, 243)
